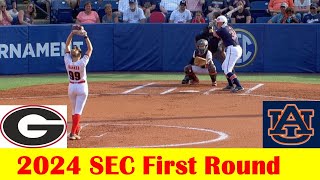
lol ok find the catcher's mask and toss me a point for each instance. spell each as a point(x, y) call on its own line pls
point(202, 46)
point(76, 52)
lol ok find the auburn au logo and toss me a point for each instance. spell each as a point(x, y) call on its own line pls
point(291, 125)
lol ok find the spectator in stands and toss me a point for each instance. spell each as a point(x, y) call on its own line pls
point(12, 7)
point(134, 14)
point(147, 6)
point(233, 4)
point(168, 6)
point(158, 8)
point(5, 17)
point(48, 6)
point(316, 2)
point(313, 16)
point(195, 5)
point(274, 6)
point(123, 6)
point(109, 17)
point(242, 15)
point(73, 3)
point(27, 16)
point(198, 18)
point(289, 17)
point(88, 16)
point(301, 7)
point(13, 12)
point(277, 18)
point(213, 6)
point(181, 15)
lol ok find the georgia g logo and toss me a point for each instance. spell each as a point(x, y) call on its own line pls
point(291, 125)
point(33, 126)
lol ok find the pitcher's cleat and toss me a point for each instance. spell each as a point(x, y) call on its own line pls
point(78, 131)
point(74, 137)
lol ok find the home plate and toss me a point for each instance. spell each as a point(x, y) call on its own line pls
point(189, 91)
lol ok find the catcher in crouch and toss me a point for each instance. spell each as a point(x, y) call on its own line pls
point(200, 63)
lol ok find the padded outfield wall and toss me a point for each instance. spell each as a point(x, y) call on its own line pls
point(157, 47)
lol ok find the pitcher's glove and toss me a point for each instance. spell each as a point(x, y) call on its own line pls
point(199, 61)
point(79, 30)
point(76, 27)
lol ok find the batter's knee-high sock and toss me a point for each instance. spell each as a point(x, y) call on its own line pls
point(72, 124)
point(75, 123)
point(229, 81)
point(233, 78)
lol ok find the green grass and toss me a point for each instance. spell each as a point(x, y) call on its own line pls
point(8, 82)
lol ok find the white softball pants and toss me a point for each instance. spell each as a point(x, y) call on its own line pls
point(199, 70)
point(233, 53)
point(78, 94)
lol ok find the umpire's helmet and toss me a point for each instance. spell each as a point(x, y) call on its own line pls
point(202, 46)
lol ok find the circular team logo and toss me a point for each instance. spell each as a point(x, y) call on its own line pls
point(249, 47)
point(33, 126)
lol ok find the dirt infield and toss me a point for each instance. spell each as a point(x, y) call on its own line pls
point(167, 114)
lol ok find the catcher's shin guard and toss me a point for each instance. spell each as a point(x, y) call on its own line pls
point(213, 73)
point(214, 79)
point(194, 79)
point(189, 72)
point(188, 69)
point(185, 80)
point(212, 69)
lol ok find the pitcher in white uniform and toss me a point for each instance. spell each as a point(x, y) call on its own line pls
point(78, 87)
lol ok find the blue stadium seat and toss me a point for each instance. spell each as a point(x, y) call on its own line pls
point(258, 9)
point(59, 4)
point(262, 19)
point(94, 4)
point(259, 5)
point(61, 12)
point(114, 4)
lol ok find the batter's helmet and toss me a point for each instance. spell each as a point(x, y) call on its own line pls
point(223, 20)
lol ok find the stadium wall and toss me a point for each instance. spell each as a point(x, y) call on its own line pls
point(157, 47)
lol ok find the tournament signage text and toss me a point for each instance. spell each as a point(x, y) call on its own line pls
point(151, 165)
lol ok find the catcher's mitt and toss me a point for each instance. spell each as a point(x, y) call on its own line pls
point(199, 61)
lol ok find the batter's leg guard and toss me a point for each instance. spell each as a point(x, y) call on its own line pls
point(229, 81)
point(229, 86)
point(234, 79)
